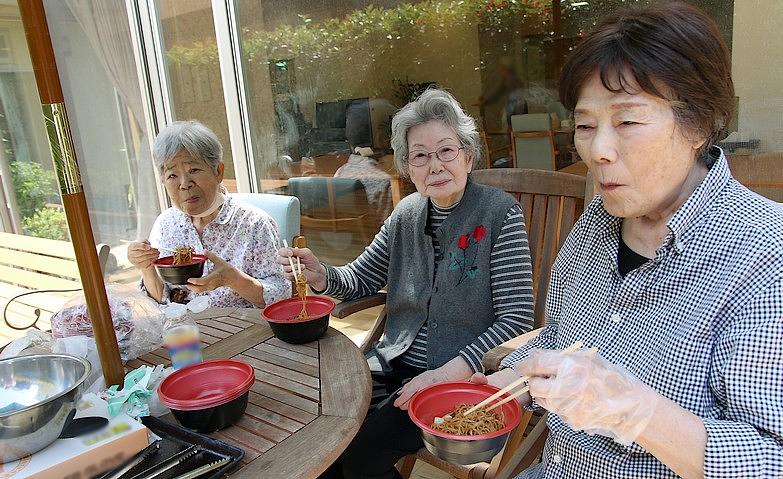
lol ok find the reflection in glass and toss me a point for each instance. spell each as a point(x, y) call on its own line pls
point(194, 70)
point(308, 64)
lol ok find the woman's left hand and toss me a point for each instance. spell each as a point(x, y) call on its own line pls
point(223, 274)
point(590, 393)
point(417, 383)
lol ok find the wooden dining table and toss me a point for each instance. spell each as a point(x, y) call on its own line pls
point(307, 402)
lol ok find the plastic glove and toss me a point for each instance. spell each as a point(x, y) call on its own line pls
point(590, 394)
point(501, 379)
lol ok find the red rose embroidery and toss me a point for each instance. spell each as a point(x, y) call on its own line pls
point(479, 232)
point(463, 242)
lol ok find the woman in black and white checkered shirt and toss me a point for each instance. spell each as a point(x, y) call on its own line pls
point(674, 273)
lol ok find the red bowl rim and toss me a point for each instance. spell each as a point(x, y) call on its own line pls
point(310, 298)
point(195, 259)
point(510, 425)
point(196, 404)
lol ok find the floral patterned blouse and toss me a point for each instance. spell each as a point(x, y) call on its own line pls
point(241, 234)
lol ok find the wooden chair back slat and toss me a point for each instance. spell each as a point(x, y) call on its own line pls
point(551, 202)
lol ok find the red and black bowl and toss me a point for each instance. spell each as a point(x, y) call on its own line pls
point(208, 396)
point(180, 273)
point(283, 318)
point(441, 399)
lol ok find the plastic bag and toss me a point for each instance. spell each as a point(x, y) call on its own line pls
point(138, 322)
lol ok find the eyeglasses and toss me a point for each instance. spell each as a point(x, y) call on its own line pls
point(445, 154)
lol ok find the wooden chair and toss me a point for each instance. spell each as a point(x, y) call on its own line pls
point(333, 204)
point(551, 202)
point(533, 142)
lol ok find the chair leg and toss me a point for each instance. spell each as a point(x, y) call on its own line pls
point(406, 465)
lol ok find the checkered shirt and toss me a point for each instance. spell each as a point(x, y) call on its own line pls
point(702, 323)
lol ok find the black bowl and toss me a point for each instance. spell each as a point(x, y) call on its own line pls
point(213, 418)
point(286, 326)
point(180, 273)
point(210, 395)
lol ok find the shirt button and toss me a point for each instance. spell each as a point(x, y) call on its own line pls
point(615, 318)
point(434, 325)
point(557, 459)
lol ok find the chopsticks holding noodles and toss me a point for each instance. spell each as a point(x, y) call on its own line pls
point(570, 349)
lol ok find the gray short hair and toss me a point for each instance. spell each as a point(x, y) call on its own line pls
point(433, 104)
point(192, 136)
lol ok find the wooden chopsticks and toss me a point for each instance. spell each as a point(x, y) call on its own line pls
point(570, 349)
point(294, 269)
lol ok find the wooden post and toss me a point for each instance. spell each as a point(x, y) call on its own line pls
point(64, 156)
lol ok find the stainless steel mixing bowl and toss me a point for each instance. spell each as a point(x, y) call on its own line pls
point(37, 395)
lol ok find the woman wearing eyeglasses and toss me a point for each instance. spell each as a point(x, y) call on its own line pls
point(455, 260)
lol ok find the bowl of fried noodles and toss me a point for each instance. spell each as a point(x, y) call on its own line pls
point(181, 266)
point(457, 438)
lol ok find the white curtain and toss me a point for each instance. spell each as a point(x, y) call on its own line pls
point(105, 24)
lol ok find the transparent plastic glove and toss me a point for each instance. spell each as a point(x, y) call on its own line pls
point(590, 394)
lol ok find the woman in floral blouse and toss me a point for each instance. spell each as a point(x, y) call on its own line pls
point(239, 240)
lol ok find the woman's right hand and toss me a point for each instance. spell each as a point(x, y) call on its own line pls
point(312, 268)
point(141, 255)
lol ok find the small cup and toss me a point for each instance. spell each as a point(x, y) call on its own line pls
point(183, 344)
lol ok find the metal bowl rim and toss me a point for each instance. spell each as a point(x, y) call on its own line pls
point(79, 382)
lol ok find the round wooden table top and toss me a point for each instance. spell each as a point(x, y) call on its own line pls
point(307, 402)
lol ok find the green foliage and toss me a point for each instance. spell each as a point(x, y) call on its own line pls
point(380, 27)
point(47, 223)
point(34, 187)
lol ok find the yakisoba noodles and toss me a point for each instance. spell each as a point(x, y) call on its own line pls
point(474, 424)
point(301, 291)
point(301, 284)
point(183, 254)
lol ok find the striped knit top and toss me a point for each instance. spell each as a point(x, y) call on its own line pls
point(511, 279)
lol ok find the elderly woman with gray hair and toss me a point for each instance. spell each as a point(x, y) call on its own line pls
point(239, 240)
point(455, 260)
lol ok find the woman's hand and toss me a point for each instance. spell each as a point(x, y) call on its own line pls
point(223, 274)
point(416, 384)
point(141, 255)
point(456, 369)
point(590, 394)
point(312, 268)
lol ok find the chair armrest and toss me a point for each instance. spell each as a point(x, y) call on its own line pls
point(494, 356)
point(527, 452)
point(347, 308)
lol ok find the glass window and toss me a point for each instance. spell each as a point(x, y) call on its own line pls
point(193, 69)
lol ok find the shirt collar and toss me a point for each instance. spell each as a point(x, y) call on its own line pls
point(226, 211)
point(700, 200)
